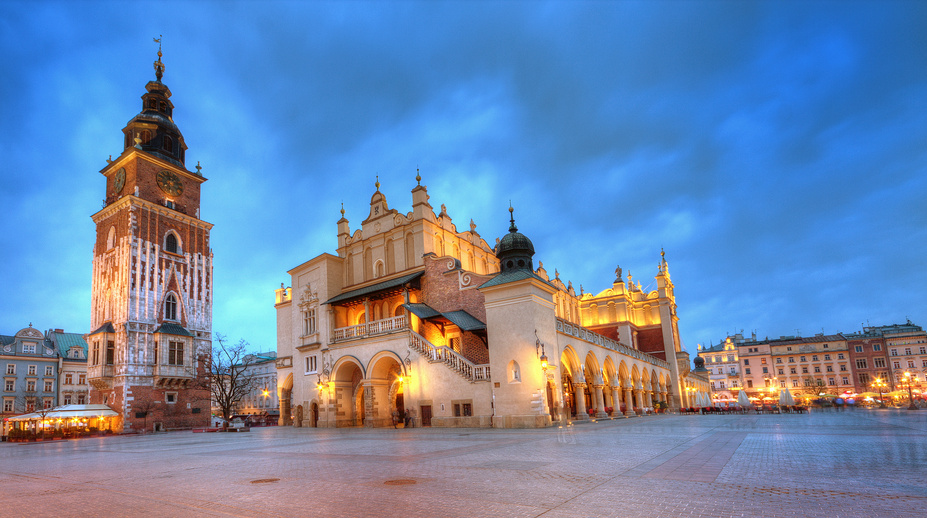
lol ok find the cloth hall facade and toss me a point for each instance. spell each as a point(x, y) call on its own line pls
point(411, 315)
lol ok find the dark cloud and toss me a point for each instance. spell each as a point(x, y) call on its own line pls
point(775, 151)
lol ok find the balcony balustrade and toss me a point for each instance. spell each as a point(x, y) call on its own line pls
point(377, 327)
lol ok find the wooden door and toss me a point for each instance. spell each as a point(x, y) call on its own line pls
point(426, 415)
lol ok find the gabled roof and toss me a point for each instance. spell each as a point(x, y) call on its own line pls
point(373, 288)
point(460, 318)
point(422, 311)
point(512, 276)
point(169, 328)
point(66, 341)
point(105, 328)
point(464, 320)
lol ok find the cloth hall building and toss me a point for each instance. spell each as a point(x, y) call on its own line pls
point(411, 315)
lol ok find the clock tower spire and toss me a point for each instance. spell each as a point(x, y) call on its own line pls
point(151, 308)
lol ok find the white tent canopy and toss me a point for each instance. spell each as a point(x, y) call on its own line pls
point(68, 412)
point(743, 400)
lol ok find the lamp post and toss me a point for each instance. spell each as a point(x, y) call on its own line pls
point(906, 381)
point(879, 384)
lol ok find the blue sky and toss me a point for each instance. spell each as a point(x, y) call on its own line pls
point(777, 151)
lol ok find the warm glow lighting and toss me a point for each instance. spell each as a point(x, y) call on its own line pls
point(544, 364)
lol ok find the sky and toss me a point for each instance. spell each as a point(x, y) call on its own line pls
point(776, 151)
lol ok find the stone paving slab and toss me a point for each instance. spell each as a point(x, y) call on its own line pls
point(870, 463)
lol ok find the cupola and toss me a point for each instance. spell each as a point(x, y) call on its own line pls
point(515, 251)
point(153, 129)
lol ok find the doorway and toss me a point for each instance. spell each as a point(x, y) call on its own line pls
point(426, 415)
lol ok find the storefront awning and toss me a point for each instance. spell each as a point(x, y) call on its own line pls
point(374, 288)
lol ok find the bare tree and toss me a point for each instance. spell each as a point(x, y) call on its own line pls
point(144, 406)
point(229, 375)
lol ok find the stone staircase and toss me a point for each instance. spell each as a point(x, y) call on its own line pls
point(455, 361)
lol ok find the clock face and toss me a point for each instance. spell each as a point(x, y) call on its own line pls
point(119, 180)
point(170, 183)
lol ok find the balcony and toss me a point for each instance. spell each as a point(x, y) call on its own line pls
point(377, 327)
point(173, 376)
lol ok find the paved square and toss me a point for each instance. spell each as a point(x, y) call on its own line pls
point(867, 463)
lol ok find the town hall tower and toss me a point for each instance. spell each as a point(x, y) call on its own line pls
point(151, 310)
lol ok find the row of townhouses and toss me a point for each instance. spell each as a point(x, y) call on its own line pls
point(876, 359)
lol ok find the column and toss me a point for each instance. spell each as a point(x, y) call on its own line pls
point(616, 398)
point(579, 393)
point(600, 401)
point(639, 397)
point(628, 403)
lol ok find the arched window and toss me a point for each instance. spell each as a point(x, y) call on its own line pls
point(153, 104)
point(170, 307)
point(171, 244)
point(111, 238)
point(146, 136)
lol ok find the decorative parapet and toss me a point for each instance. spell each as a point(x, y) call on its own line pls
point(586, 335)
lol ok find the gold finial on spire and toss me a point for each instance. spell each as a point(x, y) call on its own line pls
point(158, 65)
point(418, 176)
point(342, 209)
point(378, 183)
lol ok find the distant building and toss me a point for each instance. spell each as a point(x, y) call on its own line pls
point(30, 372)
point(72, 375)
point(886, 353)
point(262, 400)
point(822, 364)
point(723, 365)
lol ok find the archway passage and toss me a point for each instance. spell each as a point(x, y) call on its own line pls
point(348, 394)
point(314, 415)
point(551, 403)
point(387, 391)
point(569, 397)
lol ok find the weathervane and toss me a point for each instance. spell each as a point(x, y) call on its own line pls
point(158, 65)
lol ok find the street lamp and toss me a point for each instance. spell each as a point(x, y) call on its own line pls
point(907, 380)
point(880, 384)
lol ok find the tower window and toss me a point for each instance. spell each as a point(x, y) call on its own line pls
point(168, 144)
point(170, 307)
point(146, 136)
point(153, 104)
point(170, 243)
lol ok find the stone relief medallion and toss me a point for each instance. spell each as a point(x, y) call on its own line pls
point(376, 228)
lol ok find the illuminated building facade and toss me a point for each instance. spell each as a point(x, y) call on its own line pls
point(151, 308)
point(723, 365)
point(412, 314)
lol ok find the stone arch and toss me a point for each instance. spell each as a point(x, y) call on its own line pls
point(570, 373)
point(610, 380)
point(593, 375)
point(387, 387)
point(513, 372)
point(347, 391)
point(284, 396)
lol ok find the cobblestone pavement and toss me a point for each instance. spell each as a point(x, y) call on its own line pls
point(868, 463)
